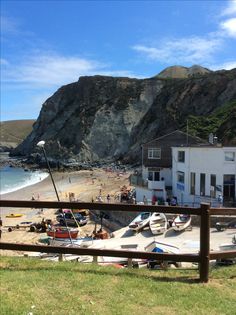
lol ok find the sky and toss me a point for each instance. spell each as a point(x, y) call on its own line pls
point(47, 44)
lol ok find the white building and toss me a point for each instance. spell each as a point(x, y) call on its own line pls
point(202, 173)
point(156, 178)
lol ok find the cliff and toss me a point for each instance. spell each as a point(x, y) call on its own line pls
point(103, 118)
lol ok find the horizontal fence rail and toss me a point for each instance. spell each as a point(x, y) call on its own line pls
point(98, 206)
point(101, 252)
point(202, 258)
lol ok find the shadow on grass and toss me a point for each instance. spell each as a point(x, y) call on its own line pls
point(153, 275)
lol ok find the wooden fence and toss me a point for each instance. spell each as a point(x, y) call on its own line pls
point(203, 257)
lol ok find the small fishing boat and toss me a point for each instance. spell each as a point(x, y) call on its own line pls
point(14, 215)
point(63, 233)
point(158, 223)
point(158, 247)
point(141, 221)
point(181, 222)
point(225, 248)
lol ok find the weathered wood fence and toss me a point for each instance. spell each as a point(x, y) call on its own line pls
point(203, 258)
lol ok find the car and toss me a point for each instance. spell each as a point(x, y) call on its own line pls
point(220, 226)
point(69, 219)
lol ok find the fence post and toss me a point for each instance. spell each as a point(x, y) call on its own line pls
point(204, 242)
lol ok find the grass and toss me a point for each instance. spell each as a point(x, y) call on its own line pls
point(31, 286)
point(14, 131)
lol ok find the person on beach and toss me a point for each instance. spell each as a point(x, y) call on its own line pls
point(145, 201)
point(220, 200)
point(173, 201)
point(0, 227)
point(108, 198)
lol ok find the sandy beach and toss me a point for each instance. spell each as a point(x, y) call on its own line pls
point(85, 185)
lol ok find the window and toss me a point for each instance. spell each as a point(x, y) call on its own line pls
point(180, 177)
point(154, 175)
point(229, 156)
point(181, 156)
point(154, 153)
point(192, 183)
point(213, 185)
point(202, 184)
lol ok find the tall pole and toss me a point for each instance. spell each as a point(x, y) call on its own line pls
point(41, 144)
point(50, 172)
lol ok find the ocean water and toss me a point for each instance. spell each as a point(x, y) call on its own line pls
point(12, 178)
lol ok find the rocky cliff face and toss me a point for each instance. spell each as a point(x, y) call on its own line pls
point(105, 118)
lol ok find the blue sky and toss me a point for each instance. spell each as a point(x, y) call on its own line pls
point(46, 44)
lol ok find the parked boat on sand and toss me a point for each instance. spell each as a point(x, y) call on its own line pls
point(158, 223)
point(63, 233)
point(158, 247)
point(14, 215)
point(181, 222)
point(141, 221)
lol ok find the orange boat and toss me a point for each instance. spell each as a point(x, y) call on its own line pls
point(63, 233)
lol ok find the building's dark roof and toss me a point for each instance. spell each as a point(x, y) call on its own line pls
point(178, 132)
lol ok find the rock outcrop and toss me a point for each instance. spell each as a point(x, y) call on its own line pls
point(179, 72)
point(106, 118)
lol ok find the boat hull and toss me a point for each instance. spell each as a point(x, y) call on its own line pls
point(63, 234)
point(158, 223)
point(140, 221)
point(181, 223)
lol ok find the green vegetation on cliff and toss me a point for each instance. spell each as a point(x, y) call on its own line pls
point(221, 122)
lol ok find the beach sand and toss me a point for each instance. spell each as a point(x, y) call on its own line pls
point(85, 185)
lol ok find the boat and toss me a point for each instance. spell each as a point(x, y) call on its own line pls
point(63, 233)
point(158, 247)
point(182, 222)
point(67, 242)
point(225, 248)
point(14, 215)
point(158, 223)
point(141, 221)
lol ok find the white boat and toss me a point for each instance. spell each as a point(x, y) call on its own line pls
point(227, 247)
point(66, 242)
point(158, 247)
point(141, 221)
point(158, 223)
point(181, 222)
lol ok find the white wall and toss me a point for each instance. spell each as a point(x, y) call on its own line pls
point(208, 160)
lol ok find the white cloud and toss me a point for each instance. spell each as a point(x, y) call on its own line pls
point(226, 66)
point(229, 26)
point(9, 25)
point(3, 62)
point(184, 50)
point(48, 70)
point(51, 70)
point(230, 8)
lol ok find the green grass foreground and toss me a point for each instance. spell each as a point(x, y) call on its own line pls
point(30, 286)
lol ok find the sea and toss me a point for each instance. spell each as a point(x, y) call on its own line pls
point(14, 178)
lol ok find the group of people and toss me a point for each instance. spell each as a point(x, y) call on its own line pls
point(155, 200)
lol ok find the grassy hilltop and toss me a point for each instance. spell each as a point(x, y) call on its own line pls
point(13, 132)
